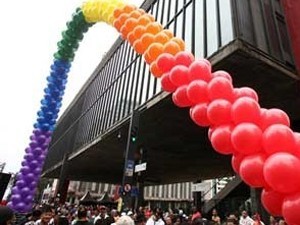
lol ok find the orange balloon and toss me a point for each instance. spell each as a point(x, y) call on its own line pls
point(141, 11)
point(154, 50)
point(147, 39)
point(155, 70)
point(128, 8)
point(123, 17)
point(172, 47)
point(135, 14)
point(138, 47)
point(139, 31)
point(117, 12)
point(154, 28)
point(130, 24)
point(124, 31)
point(161, 37)
point(117, 24)
point(145, 19)
point(168, 32)
point(180, 42)
point(131, 38)
point(147, 58)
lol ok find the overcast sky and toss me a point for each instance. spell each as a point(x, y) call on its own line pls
point(29, 32)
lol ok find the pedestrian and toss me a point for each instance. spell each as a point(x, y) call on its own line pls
point(245, 219)
point(6, 216)
point(82, 218)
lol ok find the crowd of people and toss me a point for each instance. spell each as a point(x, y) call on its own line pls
point(102, 215)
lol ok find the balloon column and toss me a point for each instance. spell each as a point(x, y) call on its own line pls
point(265, 151)
point(28, 177)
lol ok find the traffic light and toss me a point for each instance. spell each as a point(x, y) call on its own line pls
point(134, 133)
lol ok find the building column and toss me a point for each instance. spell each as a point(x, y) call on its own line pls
point(128, 175)
point(63, 182)
point(292, 15)
point(256, 205)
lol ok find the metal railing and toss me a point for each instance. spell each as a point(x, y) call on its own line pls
point(122, 82)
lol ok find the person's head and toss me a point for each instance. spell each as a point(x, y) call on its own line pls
point(140, 219)
point(168, 220)
point(102, 210)
point(125, 220)
point(214, 212)
point(47, 214)
point(282, 222)
point(6, 215)
point(194, 209)
point(81, 213)
point(63, 221)
point(232, 221)
point(114, 213)
point(157, 214)
point(244, 214)
point(36, 214)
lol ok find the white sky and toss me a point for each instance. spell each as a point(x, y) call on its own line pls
point(29, 32)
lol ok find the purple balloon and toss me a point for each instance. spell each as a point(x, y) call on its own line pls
point(25, 170)
point(25, 191)
point(20, 184)
point(29, 178)
point(34, 164)
point(15, 190)
point(41, 158)
point(29, 157)
point(27, 150)
point(29, 199)
point(15, 199)
point(33, 144)
point(24, 163)
point(33, 185)
point(37, 151)
point(37, 171)
point(41, 139)
point(21, 207)
point(37, 132)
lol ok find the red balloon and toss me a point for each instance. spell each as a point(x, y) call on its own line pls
point(236, 162)
point(179, 75)
point(291, 209)
point(197, 92)
point(245, 92)
point(278, 138)
point(166, 83)
point(274, 116)
point(245, 109)
point(180, 97)
point(200, 70)
point(221, 73)
point(199, 115)
point(184, 58)
point(220, 88)
point(219, 112)
point(247, 138)
point(282, 172)
point(251, 170)
point(210, 131)
point(272, 201)
point(221, 141)
point(297, 144)
point(165, 62)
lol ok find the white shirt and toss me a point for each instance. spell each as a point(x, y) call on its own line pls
point(246, 221)
point(99, 217)
point(151, 221)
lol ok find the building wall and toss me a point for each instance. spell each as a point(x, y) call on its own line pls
point(178, 193)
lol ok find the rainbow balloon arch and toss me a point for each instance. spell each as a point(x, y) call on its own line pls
point(265, 151)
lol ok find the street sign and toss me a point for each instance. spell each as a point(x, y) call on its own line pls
point(140, 167)
point(200, 187)
point(129, 168)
